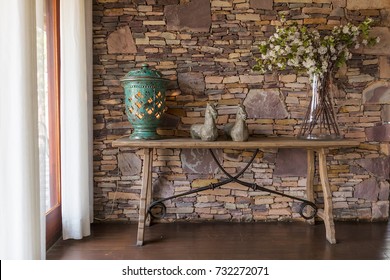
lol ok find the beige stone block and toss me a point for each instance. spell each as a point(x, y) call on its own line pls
point(197, 183)
point(176, 177)
point(241, 6)
point(113, 12)
point(142, 41)
point(154, 22)
point(228, 199)
point(385, 149)
point(180, 210)
point(144, 8)
point(360, 78)
point(217, 192)
point(221, 4)
point(213, 79)
point(151, 50)
point(281, 211)
point(203, 210)
point(290, 78)
point(295, 85)
point(230, 79)
point(264, 200)
point(157, 42)
point(384, 67)
point(206, 198)
point(314, 21)
point(173, 42)
point(315, 10)
point(248, 17)
point(179, 50)
point(251, 79)
point(123, 195)
point(367, 4)
point(293, 1)
point(230, 206)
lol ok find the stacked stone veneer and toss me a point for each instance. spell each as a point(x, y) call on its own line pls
point(206, 49)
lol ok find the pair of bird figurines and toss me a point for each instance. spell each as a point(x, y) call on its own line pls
point(237, 131)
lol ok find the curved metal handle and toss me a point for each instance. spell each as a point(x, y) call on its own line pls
point(157, 210)
point(303, 207)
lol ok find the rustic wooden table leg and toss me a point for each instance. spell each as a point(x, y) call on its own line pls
point(146, 185)
point(149, 193)
point(310, 179)
point(328, 207)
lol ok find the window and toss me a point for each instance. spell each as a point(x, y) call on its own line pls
point(49, 116)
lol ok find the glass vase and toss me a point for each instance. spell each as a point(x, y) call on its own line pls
point(320, 119)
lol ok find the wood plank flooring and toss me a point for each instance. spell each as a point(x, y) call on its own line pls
point(220, 241)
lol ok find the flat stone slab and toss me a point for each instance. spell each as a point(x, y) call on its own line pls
point(200, 161)
point(380, 167)
point(378, 133)
point(291, 162)
point(163, 188)
point(265, 104)
point(192, 83)
point(367, 4)
point(121, 41)
point(262, 4)
point(368, 189)
point(129, 164)
point(193, 16)
point(377, 93)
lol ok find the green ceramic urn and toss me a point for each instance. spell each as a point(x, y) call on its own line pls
point(145, 101)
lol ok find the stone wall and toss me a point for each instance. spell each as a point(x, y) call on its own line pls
point(206, 49)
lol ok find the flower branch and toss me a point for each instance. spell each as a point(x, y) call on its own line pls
point(305, 50)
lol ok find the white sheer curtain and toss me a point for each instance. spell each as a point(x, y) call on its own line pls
point(21, 215)
point(75, 120)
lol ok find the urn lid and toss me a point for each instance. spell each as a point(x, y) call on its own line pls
point(145, 73)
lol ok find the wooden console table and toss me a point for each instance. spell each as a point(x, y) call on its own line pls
point(312, 146)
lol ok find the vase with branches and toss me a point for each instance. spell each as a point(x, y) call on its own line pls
point(319, 56)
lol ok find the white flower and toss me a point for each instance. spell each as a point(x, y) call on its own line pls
point(377, 40)
point(322, 50)
point(305, 49)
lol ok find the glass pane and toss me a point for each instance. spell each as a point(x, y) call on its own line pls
point(48, 106)
point(43, 118)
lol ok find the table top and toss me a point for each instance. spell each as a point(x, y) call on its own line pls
point(252, 143)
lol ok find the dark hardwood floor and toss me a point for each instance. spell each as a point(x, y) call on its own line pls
point(220, 241)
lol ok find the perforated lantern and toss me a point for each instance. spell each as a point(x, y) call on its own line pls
point(145, 101)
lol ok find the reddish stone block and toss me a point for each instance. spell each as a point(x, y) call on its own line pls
point(367, 189)
point(380, 167)
point(291, 162)
point(379, 133)
point(193, 16)
point(262, 4)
